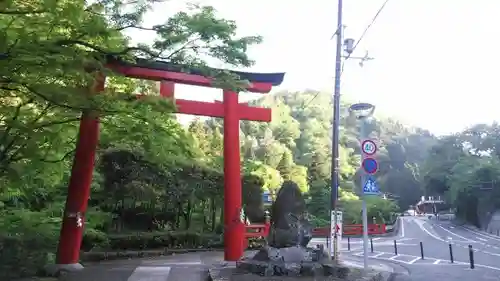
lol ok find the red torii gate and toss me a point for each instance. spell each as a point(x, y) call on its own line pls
point(68, 252)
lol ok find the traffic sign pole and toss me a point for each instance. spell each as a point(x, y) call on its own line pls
point(368, 183)
point(364, 209)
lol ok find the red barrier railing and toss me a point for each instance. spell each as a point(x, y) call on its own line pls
point(262, 230)
point(256, 231)
point(351, 229)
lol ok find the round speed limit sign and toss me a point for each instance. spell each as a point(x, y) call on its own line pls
point(369, 147)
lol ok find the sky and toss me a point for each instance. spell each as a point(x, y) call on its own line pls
point(435, 61)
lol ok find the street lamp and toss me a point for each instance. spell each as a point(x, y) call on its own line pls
point(363, 112)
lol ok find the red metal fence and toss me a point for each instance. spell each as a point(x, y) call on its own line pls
point(262, 230)
point(351, 229)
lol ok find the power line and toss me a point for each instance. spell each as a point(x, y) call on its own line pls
point(368, 27)
point(338, 33)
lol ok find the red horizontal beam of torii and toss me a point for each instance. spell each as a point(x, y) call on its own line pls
point(212, 109)
point(232, 112)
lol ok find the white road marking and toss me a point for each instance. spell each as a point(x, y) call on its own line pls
point(480, 265)
point(378, 255)
point(405, 239)
point(413, 260)
point(436, 262)
point(482, 239)
point(482, 234)
point(150, 273)
point(421, 225)
point(452, 233)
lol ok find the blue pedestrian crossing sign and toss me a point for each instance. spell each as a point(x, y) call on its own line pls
point(370, 187)
point(267, 198)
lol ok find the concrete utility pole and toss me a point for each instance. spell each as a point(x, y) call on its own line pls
point(349, 48)
point(335, 133)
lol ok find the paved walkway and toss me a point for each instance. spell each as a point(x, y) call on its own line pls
point(182, 267)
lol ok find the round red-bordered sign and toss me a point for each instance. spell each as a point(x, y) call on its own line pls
point(368, 147)
point(370, 165)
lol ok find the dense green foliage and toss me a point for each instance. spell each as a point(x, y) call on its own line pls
point(155, 179)
point(464, 168)
point(297, 144)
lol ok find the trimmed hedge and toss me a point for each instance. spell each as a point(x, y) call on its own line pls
point(157, 240)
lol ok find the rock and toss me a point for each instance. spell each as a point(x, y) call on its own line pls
point(286, 253)
point(289, 224)
point(305, 232)
point(312, 271)
point(335, 270)
point(281, 238)
point(293, 269)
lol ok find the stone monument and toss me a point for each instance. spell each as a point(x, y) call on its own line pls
point(286, 252)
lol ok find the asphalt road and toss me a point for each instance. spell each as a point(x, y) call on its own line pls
point(436, 236)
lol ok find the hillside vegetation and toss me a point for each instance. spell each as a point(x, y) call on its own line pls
point(464, 168)
point(156, 183)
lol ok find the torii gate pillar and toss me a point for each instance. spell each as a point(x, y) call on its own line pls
point(230, 109)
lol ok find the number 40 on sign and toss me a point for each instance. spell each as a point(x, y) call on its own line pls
point(369, 147)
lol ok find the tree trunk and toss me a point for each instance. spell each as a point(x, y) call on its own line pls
point(214, 213)
point(187, 214)
point(221, 216)
point(178, 215)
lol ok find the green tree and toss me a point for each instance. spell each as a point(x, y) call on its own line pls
point(51, 51)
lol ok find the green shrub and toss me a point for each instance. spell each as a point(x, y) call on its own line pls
point(28, 241)
point(159, 240)
point(94, 239)
point(23, 256)
point(318, 222)
point(156, 240)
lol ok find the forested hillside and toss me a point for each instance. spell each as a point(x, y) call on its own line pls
point(297, 145)
point(465, 169)
point(157, 184)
